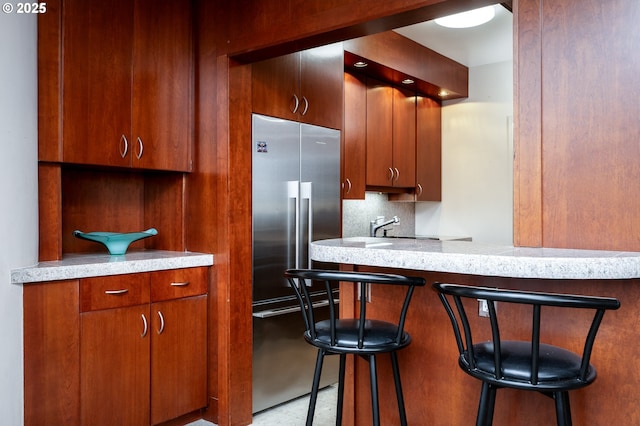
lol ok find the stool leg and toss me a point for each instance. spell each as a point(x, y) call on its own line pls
point(492, 403)
point(373, 374)
point(485, 407)
point(314, 388)
point(343, 359)
point(563, 409)
point(399, 396)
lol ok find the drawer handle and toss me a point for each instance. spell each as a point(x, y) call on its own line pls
point(146, 326)
point(182, 284)
point(161, 322)
point(123, 291)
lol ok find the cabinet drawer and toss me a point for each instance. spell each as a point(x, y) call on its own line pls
point(178, 283)
point(113, 291)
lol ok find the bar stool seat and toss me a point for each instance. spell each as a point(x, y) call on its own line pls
point(362, 336)
point(555, 365)
point(528, 365)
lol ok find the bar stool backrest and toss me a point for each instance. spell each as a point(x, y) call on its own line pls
point(300, 281)
point(466, 344)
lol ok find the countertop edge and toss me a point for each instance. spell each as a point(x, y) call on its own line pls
point(95, 265)
point(471, 258)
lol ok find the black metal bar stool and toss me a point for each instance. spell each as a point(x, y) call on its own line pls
point(360, 336)
point(527, 365)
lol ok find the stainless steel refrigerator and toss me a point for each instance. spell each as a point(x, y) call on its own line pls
point(296, 200)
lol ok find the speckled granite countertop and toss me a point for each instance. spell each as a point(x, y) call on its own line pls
point(464, 257)
point(74, 266)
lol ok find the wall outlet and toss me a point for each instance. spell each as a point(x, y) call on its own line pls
point(483, 308)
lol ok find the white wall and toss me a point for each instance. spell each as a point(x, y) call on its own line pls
point(477, 162)
point(18, 190)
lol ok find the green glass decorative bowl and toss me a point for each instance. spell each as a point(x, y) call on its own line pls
point(116, 243)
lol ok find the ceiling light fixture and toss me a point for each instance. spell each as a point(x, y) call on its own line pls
point(407, 81)
point(471, 18)
point(360, 64)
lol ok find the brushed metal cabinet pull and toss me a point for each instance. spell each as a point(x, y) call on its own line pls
point(161, 322)
point(124, 146)
point(112, 292)
point(296, 105)
point(397, 174)
point(348, 186)
point(146, 326)
point(391, 174)
point(181, 284)
point(419, 190)
point(306, 105)
point(140, 148)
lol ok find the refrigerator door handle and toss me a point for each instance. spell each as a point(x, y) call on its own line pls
point(293, 191)
point(269, 313)
point(306, 193)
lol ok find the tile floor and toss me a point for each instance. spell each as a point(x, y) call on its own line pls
point(294, 413)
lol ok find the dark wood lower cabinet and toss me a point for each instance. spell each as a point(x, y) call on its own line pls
point(114, 366)
point(117, 350)
point(178, 357)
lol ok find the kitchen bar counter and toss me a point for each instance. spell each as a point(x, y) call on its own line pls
point(471, 258)
point(431, 378)
point(74, 266)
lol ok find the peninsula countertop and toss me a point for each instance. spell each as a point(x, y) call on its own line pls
point(74, 266)
point(472, 258)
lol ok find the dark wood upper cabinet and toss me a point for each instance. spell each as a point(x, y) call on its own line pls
point(128, 85)
point(97, 64)
point(275, 86)
point(304, 86)
point(404, 138)
point(391, 132)
point(354, 137)
point(321, 82)
point(428, 149)
point(163, 85)
point(379, 133)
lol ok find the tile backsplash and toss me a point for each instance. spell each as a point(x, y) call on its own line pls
point(356, 215)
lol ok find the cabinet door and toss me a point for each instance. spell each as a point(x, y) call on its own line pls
point(379, 134)
point(51, 353)
point(114, 366)
point(96, 120)
point(275, 86)
point(178, 357)
point(355, 137)
point(321, 86)
point(428, 150)
point(404, 138)
point(162, 85)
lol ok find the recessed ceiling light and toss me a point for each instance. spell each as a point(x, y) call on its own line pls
point(407, 81)
point(443, 93)
point(471, 18)
point(360, 64)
